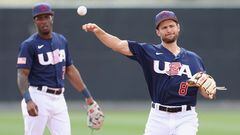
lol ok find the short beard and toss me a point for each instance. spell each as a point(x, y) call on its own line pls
point(45, 33)
point(169, 41)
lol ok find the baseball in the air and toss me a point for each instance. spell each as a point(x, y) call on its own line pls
point(82, 10)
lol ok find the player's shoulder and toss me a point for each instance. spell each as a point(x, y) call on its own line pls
point(191, 53)
point(55, 34)
point(141, 47)
point(59, 36)
point(140, 44)
point(29, 41)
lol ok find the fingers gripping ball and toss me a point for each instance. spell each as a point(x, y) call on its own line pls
point(82, 10)
point(95, 116)
point(206, 84)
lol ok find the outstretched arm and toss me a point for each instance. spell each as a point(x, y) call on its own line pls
point(75, 79)
point(108, 40)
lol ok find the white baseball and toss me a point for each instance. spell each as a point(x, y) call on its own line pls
point(82, 10)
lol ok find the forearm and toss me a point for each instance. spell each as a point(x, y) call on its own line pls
point(108, 40)
point(75, 79)
point(22, 80)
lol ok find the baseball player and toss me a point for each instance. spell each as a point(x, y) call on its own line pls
point(42, 63)
point(167, 69)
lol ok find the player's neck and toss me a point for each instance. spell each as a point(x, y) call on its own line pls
point(172, 47)
point(45, 36)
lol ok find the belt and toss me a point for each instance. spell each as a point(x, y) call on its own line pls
point(54, 91)
point(170, 109)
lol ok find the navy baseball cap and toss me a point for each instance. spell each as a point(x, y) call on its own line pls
point(41, 8)
point(165, 15)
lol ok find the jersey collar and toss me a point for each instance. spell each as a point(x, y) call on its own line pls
point(166, 51)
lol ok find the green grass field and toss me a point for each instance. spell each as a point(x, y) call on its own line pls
point(129, 123)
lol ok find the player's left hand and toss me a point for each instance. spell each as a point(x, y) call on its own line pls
point(95, 116)
point(206, 84)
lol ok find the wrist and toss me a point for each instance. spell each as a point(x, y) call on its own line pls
point(26, 96)
point(86, 94)
point(99, 31)
point(89, 101)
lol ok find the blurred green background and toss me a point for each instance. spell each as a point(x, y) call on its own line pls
point(214, 119)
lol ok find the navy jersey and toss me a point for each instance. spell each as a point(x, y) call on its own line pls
point(47, 60)
point(166, 74)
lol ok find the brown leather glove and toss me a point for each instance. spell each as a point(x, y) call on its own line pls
point(205, 83)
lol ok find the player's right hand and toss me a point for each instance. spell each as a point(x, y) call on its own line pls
point(32, 108)
point(90, 27)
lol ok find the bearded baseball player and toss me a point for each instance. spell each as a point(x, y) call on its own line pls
point(173, 74)
point(42, 63)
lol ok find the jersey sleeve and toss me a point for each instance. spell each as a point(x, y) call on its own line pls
point(199, 65)
point(202, 65)
point(25, 55)
point(69, 60)
point(136, 49)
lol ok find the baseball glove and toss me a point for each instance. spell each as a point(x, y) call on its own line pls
point(95, 116)
point(206, 84)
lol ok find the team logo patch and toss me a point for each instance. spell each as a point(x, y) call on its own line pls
point(43, 8)
point(21, 60)
point(174, 68)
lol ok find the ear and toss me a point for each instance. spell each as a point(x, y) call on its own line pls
point(34, 22)
point(158, 32)
point(178, 27)
point(52, 18)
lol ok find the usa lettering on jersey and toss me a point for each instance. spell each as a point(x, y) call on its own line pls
point(53, 57)
point(172, 68)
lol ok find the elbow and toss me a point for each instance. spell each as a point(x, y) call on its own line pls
point(121, 50)
point(116, 49)
point(122, 47)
